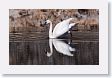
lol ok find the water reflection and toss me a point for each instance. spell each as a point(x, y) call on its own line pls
point(60, 47)
point(54, 52)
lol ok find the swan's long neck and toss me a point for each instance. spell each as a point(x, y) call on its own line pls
point(51, 48)
point(50, 31)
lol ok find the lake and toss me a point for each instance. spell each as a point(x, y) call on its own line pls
point(35, 49)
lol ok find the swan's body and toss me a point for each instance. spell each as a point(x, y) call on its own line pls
point(60, 46)
point(60, 28)
point(70, 26)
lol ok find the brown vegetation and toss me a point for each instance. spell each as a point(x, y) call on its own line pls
point(32, 20)
point(88, 24)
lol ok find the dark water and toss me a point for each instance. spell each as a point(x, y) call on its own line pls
point(54, 52)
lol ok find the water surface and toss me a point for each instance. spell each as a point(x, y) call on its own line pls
point(54, 52)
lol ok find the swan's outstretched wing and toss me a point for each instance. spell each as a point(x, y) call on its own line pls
point(61, 28)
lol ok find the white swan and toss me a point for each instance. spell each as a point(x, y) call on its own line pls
point(60, 46)
point(60, 28)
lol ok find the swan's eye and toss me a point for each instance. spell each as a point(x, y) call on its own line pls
point(45, 23)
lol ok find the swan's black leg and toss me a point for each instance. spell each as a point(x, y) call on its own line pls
point(71, 34)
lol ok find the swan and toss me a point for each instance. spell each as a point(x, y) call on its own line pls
point(60, 28)
point(60, 46)
point(70, 26)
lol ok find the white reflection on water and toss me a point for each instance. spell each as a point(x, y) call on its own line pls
point(60, 46)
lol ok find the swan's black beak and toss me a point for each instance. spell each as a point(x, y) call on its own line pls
point(45, 23)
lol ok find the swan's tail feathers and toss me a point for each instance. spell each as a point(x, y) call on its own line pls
point(71, 25)
point(49, 54)
point(72, 49)
point(69, 54)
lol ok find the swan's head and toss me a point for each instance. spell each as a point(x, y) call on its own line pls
point(49, 54)
point(47, 21)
